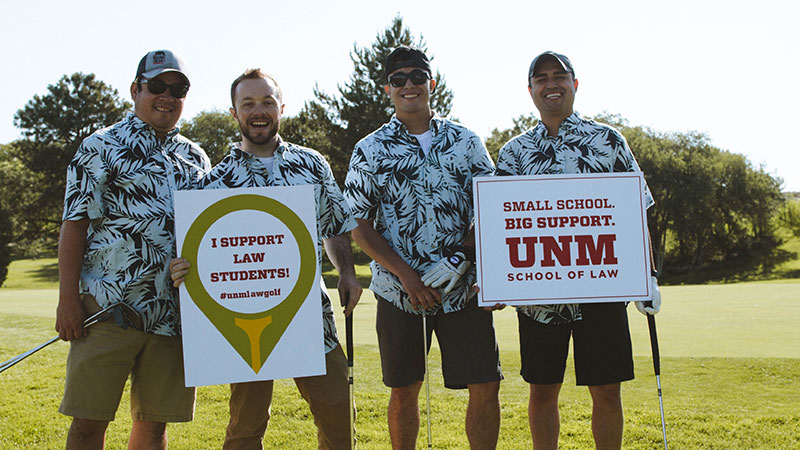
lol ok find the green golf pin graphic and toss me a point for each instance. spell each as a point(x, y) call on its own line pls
point(252, 335)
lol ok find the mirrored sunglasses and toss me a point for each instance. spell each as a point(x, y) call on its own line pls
point(156, 87)
point(416, 76)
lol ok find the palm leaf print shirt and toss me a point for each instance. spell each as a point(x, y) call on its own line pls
point(581, 146)
point(421, 204)
point(293, 165)
point(121, 179)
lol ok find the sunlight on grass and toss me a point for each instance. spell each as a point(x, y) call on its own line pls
point(730, 369)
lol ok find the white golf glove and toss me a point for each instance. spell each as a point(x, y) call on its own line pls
point(448, 270)
point(656, 306)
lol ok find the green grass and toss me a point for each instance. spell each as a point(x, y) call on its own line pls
point(730, 370)
point(32, 274)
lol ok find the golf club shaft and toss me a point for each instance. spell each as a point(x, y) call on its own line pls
point(348, 321)
point(89, 321)
point(661, 406)
point(427, 377)
point(11, 362)
point(651, 324)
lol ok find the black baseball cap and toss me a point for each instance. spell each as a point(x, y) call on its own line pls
point(563, 60)
point(405, 56)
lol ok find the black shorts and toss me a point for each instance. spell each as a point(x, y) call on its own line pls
point(466, 340)
point(601, 345)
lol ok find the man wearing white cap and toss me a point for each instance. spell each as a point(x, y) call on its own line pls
point(116, 242)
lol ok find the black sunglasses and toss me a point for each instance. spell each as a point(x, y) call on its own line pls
point(156, 86)
point(416, 76)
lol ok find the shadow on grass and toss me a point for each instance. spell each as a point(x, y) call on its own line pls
point(762, 267)
point(46, 273)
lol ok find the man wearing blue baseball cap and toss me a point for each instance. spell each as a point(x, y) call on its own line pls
point(115, 245)
point(564, 142)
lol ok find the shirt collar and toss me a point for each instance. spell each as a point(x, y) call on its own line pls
point(566, 126)
point(140, 125)
point(236, 150)
point(398, 126)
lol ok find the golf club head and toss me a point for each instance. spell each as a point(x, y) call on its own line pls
point(124, 315)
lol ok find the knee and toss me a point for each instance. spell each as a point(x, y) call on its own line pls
point(544, 394)
point(406, 395)
point(484, 392)
point(152, 431)
point(606, 396)
point(87, 428)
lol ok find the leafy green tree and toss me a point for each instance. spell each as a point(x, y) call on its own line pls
point(17, 186)
point(713, 208)
point(53, 126)
point(312, 127)
point(5, 241)
point(214, 130)
point(361, 105)
point(790, 216)
point(497, 138)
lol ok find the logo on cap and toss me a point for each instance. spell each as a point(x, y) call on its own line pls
point(159, 57)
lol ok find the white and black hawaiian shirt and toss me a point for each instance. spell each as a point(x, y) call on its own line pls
point(121, 179)
point(421, 204)
point(581, 146)
point(293, 165)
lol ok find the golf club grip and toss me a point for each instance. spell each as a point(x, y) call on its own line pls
point(651, 323)
point(348, 326)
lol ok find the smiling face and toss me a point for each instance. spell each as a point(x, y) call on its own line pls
point(258, 109)
point(553, 90)
point(411, 100)
point(160, 111)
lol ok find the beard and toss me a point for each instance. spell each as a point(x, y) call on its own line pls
point(258, 139)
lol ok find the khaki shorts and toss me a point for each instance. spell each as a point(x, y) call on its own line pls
point(98, 366)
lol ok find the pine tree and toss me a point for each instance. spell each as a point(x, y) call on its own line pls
point(361, 105)
point(53, 126)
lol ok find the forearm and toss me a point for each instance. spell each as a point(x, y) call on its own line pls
point(71, 250)
point(379, 250)
point(340, 253)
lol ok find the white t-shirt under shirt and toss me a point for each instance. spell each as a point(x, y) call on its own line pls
point(424, 140)
point(267, 161)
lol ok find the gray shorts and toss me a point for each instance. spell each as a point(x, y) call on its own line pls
point(466, 339)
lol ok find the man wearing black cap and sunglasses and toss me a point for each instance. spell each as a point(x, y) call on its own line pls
point(116, 242)
point(562, 143)
point(409, 186)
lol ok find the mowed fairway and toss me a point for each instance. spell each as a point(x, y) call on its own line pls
point(730, 375)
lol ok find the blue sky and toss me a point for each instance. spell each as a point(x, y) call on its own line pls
point(727, 69)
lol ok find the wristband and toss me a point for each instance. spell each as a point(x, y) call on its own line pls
point(469, 252)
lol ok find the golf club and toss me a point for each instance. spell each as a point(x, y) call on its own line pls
point(651, 323)
point(127, 312)
point(348, 321)
point(427, 377)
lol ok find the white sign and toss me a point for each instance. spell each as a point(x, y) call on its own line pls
point(250, 305)
point(548, 239)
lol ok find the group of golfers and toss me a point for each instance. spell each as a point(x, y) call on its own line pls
point(407, 202)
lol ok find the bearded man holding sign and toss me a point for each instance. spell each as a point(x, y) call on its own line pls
point(264, 159)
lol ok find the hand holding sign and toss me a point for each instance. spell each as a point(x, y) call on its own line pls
point(250, 264)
